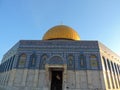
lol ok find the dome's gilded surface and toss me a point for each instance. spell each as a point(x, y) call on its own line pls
point(61, 32)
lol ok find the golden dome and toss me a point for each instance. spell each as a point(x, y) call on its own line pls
point(61, 32)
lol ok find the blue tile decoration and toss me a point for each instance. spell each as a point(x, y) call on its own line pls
point(75, 54)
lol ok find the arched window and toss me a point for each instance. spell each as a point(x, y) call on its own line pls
point(112, 67)
point(32, 62)
point(105, 64)
point(12, 62)
point(93, 62)
point(82, 61)
point(116, 78)
point(108, 63)
point(107, 67)
point(9, 63)
point(70, 62)
point(43, 61)
point(22, 60)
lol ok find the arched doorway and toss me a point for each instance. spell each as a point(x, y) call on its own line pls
point(56, 73)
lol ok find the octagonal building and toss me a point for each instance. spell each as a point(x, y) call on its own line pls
point(60, 61)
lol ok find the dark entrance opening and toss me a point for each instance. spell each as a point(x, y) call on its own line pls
point(56, 83)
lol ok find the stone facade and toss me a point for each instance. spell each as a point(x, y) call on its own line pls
point(84, 65)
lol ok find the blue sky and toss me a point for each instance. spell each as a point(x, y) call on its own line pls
point(30, 19)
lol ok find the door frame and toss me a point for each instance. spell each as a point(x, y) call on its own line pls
point(62, 68)
point(51, 76)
